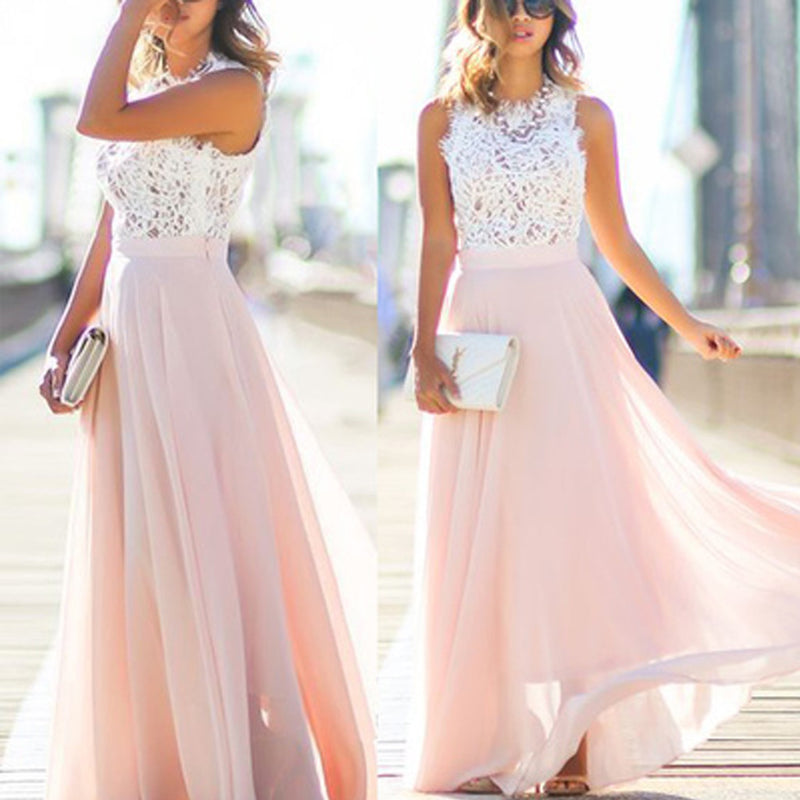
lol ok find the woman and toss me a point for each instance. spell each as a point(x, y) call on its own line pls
point(596, 594)
point(205, 652)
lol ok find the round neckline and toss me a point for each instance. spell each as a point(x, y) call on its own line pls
point(547, 88)
point(197, 69)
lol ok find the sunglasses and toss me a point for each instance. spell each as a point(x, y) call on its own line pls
point(540, 9)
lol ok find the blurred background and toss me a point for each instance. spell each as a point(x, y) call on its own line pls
point(705, 97)
point(310, 204)
point(303, 248)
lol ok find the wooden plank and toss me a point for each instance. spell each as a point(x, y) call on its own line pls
point(761, 742)
point(36, 463)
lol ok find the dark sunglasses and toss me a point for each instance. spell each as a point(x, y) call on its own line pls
point(533, 8)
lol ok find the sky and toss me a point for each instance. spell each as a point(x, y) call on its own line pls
point(632, 74)
point(53, 45)
point(373, 67)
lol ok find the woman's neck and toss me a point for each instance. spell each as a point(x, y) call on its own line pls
point(180, 64)
point(520, 78)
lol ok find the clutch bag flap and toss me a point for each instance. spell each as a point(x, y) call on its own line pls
point(84, 363)
point(483, 365)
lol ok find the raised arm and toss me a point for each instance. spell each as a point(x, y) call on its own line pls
point(439, 242)
point(227, 101)
point(609, 224)
point(81, 307)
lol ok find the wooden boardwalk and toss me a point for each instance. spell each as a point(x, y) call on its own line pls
point(760, 747)
point(36, 462)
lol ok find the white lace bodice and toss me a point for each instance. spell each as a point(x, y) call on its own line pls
point(517, 174)
point(173, 187)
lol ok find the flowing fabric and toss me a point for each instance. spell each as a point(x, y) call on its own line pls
point(205, 649)
point(583, 566)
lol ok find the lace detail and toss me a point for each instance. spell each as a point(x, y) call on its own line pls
point(174, 187)
point(517, 175)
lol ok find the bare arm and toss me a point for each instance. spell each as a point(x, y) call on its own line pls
point(228, 101)
point(81, 307)
point(609, 224)
point(439, 242)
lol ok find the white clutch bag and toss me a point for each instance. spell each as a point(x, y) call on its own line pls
point(84, 362)
point(483, 365)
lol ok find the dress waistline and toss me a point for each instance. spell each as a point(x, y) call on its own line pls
point(171, 246)
point(529, 255)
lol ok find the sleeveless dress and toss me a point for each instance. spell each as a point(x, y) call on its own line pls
point(205, 651)
point(582, 565)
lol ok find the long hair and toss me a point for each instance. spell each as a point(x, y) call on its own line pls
point(471, 57)
point(239, 32)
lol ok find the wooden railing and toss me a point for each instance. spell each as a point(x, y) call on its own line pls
point(756, 396)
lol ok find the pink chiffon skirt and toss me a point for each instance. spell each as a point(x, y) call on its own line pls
point(584, 567)
point(206, 647)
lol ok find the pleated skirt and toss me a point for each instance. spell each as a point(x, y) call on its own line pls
point(206, 648)
point(584, 567)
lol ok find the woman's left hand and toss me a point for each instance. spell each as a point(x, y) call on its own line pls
point(712, 342)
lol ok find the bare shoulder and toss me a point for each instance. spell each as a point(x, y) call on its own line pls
point(595, 117)
point(240, 92)
point(240, 78)
point(434, 119)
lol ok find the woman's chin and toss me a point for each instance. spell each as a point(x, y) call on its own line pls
point(522, 48)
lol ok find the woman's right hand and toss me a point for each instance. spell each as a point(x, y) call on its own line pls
point(433, 377)
point(163, 11)
point(55, 367)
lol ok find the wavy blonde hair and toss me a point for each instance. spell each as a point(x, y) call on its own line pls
point(239, 32)
point(471, 57)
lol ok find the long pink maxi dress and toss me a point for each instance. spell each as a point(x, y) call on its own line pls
point(586, 567)
point(206, 651)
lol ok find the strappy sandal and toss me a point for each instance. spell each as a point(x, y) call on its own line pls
point(567, 785)
point(488, 786)
point(479, 786)
point(536, 790)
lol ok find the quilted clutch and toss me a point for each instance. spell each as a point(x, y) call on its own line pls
point(483, 365)
point(84, 362)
